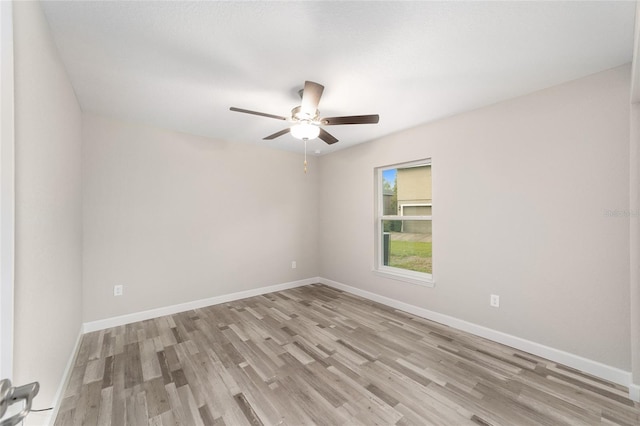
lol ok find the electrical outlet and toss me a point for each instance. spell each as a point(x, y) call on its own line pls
point(294, 265)
point(495, 301)
point(117, 290)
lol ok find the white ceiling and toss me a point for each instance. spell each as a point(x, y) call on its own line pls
point(181, 65)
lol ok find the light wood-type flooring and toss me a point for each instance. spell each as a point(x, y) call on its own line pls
point(316, 355)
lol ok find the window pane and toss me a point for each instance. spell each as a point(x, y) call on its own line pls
point(416, 211)
point(413, 190)
point(407, 245)
point(392, 225)
point(389, 192)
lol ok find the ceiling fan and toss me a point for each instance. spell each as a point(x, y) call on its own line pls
point(306, 117)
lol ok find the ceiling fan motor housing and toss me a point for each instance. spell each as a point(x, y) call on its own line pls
point(297, 114)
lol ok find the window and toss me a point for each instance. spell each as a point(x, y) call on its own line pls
point(403, 222)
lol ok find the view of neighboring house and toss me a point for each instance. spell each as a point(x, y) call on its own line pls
point(414, 197)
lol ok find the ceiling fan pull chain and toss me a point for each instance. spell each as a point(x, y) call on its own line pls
point(305, 155)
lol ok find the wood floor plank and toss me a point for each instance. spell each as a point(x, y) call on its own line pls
point(256, 392)
point(316, 355)
point(190, 407)
point(135, 406)
point(177, 409)
point(106, 405)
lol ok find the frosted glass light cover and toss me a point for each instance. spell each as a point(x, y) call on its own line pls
point(305, 131)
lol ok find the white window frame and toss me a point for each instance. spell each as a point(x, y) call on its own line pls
point(413, 277)
point(414, 205)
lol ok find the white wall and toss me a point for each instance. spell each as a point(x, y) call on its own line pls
point(520, 191)
point(634, 206)
point(7, 193)
point(634, 233)
point(48, 237)
point(176, 218)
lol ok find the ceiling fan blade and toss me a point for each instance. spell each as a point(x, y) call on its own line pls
point(246, 111)
point(311, 97)
point(327, 137)
point(352, 119)
point(277, 134)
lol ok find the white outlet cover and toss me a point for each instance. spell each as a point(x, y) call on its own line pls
point(495, 300)
point(117, 290)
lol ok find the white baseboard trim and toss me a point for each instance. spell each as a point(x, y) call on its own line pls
point(181, 307)
point(594, 368)
point(634, 392)
point(66, 376)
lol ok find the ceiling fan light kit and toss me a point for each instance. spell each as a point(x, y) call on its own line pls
point(306, 131)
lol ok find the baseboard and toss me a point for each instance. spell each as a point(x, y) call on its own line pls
point(594, 368)
point(634, 392)
point(174, 309)
point(66, 376)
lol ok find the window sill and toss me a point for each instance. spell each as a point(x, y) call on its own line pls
point(408, 278)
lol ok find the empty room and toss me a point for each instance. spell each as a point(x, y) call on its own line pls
point(319, 213)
